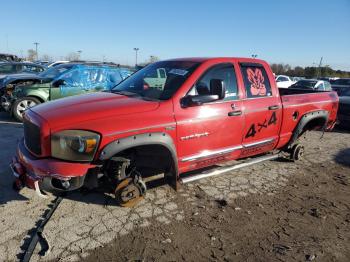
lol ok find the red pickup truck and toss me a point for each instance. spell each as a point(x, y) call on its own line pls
point(169, 118)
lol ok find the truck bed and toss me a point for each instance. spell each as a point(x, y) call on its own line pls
point(298, 91)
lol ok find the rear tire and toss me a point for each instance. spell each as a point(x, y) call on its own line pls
point(22, 104)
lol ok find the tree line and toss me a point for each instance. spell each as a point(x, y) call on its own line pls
point(308, 72)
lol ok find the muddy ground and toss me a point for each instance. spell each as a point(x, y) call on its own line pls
point(274, 211)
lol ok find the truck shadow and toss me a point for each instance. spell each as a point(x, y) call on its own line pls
point(104, 195)
point(343, 157)
point(7, 193)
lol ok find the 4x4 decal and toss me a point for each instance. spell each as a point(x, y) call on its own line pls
point(256, 128)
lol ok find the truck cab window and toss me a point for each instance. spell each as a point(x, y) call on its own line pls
point(256, 81)
point(226, 73)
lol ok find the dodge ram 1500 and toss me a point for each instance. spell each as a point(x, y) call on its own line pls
point(202, 112)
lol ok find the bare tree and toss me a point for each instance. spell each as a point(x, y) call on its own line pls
point(73, 56)
point(31, 55)
point(46, 58)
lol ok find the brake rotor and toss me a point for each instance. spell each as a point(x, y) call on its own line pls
point(297, 152)
point(129, 192)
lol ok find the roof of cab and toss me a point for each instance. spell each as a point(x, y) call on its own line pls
point(218, 59)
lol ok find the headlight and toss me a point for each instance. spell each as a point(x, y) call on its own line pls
point(74, 145)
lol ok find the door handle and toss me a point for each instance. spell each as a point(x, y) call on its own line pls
point(274, 107)
point(235, 113)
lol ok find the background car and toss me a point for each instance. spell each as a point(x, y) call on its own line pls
point(284, 81)
point(8, 68)
point(57, 82)
point(341, 85)
point(56, 63)
point(344, 108)
point(319, 85)
point(9, 58)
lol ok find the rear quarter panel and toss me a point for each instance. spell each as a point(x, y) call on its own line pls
point(301, 104)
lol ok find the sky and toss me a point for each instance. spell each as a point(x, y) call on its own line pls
point(297, 32)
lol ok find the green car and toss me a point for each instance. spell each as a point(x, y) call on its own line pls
point(23, 91)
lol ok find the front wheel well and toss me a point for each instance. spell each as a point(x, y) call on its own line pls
point(150, 160)
point(36, 97)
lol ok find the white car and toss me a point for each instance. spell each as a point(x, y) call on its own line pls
point(57, 63)
point(284, 81)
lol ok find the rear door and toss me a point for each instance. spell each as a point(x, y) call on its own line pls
point(262, 110)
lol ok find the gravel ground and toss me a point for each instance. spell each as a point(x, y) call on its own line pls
point(164, 226)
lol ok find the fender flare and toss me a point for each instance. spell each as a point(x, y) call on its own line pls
point(156, 138)
point(305, 119)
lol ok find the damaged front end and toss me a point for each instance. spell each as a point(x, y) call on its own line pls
point(9, 92)
point(46, 175)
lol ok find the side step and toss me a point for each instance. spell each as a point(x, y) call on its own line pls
point(225, 169)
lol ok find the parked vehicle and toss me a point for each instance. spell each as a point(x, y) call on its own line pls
point(284, 81)
point(56, 63)
point(314, 84)
point(24, 91)
point(296, 78)
point(344, 108)
point(9, 58)
point(209, 111)
point(341, 85)
point(9, 68)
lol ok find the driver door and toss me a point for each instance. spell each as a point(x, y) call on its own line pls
point(211, 132)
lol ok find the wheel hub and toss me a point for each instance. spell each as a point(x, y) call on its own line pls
point(129, 192)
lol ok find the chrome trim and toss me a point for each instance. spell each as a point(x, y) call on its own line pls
point(205, 154)
point(262, 142)
point(223, 170)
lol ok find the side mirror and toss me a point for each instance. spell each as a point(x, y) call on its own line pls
point(58, 83)
point(217, 87)
point(197, 100)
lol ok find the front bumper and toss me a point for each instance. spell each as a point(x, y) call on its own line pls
point(5, 103)
point(47, 174)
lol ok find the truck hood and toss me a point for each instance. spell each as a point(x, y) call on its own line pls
point(76, 109)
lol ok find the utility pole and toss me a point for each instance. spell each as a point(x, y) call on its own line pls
point(136, 49)
point(36, 50)
point(79, 52)
point(319, 66)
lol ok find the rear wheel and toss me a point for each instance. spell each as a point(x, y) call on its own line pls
point(23, 104)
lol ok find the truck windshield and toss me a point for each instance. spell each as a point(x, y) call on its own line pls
point(157, 81)
point(55, 72)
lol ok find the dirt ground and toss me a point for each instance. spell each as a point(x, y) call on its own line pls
point(274, 211)
point(307, 219)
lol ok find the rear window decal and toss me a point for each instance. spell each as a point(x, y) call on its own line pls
point(256, 79)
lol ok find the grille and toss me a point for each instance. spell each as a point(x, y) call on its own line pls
point(32, 137)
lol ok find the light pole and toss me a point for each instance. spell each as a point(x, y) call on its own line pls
point(36, 50)
point(79, 52)
point(136, 49)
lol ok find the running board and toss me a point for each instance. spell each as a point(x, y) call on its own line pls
point(225, 169)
